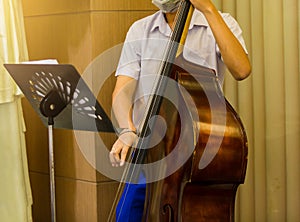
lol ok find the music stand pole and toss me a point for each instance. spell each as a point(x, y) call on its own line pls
point(51, 172)
point(58, 91)
point(50, 106)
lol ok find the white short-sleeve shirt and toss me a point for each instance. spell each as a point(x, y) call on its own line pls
point(146, 42)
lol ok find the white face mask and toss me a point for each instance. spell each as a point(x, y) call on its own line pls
point(167, 5)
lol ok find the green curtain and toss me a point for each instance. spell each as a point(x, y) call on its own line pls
point(15, 192)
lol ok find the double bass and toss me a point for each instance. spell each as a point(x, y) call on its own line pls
point(202, 157)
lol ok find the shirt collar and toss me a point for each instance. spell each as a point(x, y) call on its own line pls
point(198, 19)
point(159, 22)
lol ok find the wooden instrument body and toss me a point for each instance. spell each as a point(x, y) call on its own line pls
point(198, 191)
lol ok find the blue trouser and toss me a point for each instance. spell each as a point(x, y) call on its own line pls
point(131, 204)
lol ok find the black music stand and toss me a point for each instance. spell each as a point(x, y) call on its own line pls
point(57, 92)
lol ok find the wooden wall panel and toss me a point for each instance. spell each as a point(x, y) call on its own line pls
point(110, 28)
point(74, 32)
point(48, 7)
point(74, 198)
point(66, 37)
point(129, 5)
point(36, 140)
point(70, 162)
point(105, 196)
point(41, 196)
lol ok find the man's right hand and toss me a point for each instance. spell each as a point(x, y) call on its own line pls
point(120, 148)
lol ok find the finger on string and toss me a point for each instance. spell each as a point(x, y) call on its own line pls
point(114, 153)
point(112, 159)
point(123, 155)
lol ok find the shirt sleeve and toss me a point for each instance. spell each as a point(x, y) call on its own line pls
point(130, 59)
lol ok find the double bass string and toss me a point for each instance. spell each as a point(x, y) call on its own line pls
point(155, 99)
point(138, 151)
point(166, 66)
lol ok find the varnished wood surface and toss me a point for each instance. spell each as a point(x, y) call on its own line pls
point(74, 32)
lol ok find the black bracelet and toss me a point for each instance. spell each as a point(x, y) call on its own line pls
point(126, 130)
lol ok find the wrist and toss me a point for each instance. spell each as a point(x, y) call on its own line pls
point(121, 131)
point(210, 10)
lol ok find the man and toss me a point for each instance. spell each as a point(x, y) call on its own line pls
point(214, 40)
